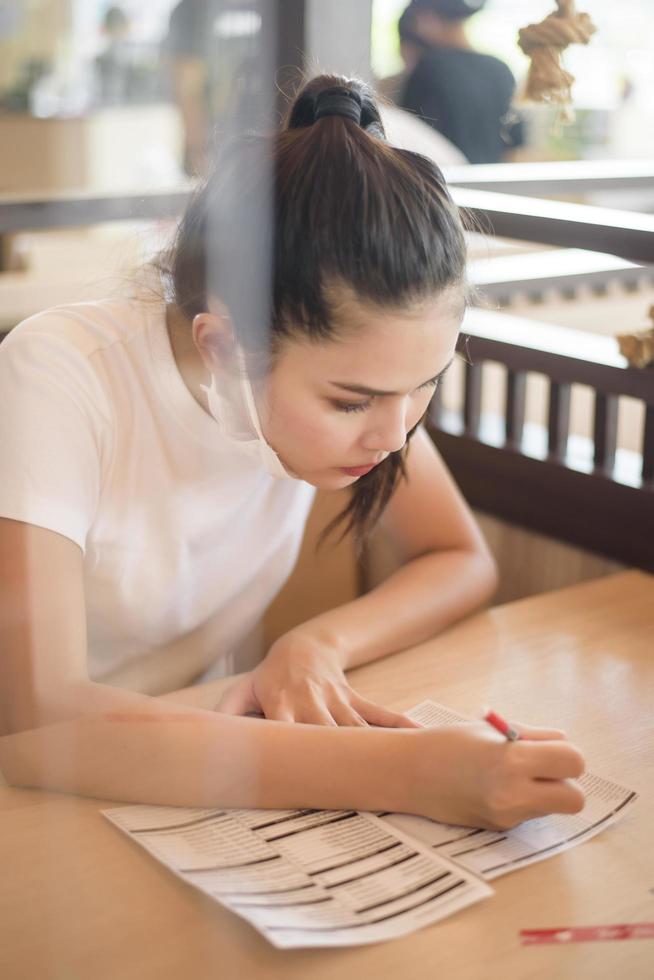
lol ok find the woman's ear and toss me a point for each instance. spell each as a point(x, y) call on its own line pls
point(213, 335)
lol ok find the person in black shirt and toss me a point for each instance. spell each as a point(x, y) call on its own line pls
point(412, 49)
point(462, 93)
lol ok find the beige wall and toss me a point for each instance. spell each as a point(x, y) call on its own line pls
point(42, 154)
point(528, 563)
point(531, 563)
point(112, 149)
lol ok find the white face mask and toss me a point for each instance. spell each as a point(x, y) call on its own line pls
point(226, 406)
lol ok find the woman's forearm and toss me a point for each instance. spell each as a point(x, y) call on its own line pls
point(412, 605)
point(162, 753)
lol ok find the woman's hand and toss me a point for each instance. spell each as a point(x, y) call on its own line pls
point(302, 680)
point(467, 774)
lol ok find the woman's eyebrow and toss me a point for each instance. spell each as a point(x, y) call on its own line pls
point(363, 390)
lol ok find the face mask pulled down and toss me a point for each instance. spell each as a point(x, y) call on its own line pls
point(229, 404)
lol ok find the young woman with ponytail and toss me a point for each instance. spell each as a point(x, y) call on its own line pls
point(158, 464)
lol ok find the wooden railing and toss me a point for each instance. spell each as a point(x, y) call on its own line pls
point(627, 234)
point(604, 506)
point(558, 178)
point(21, 212)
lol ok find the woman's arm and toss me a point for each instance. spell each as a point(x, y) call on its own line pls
point(63, 732)
point(447, 572)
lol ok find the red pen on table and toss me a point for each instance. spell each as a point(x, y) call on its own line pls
point(500, 725)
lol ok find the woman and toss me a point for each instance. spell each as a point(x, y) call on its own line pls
point(157, 472)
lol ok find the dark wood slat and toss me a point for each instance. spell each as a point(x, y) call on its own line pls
point(558, 420)
point(605, 432)
point(588, 510)
point(516, 395)
point(80, 210)
point(626, 234)
point(648, 448)
point(472, 398)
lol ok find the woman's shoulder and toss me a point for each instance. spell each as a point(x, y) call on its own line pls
point(82, 328)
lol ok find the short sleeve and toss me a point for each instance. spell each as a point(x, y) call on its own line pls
point(421, 94)
point(54, 433)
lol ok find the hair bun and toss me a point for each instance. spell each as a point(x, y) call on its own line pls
point(339, 101)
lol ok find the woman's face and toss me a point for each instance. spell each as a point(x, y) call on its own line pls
point(334, 409)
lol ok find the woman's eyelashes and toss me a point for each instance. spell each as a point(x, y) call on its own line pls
point(362, 406)
point(352, 406)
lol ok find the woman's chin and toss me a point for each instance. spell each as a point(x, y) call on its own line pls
point(328, 479)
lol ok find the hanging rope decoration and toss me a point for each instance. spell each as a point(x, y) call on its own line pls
point(638, 348)
point(545, 43)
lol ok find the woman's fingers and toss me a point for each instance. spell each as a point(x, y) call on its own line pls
point(347, 716)
point(330, 707)
point(316, 714)
point(557, 797)
point(375, 714)
point(552, 760)
point(239, 699)
point(305, 712)
point(532, 734)
point(279, 712)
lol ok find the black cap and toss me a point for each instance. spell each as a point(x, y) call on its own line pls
point(406, 28)
point(450, 9)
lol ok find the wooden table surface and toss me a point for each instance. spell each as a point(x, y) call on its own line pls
point(78, 901)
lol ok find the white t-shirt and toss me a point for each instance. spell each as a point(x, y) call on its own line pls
point(101, 441)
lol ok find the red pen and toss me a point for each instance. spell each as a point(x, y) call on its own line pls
point(500, 725)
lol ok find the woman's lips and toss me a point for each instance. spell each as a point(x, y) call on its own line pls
point(358, 470)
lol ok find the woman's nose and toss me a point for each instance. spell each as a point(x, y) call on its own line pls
point(389, 433)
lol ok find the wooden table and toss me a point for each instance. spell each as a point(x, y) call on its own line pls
point(79, 902)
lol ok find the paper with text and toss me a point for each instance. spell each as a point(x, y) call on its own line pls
point(491, 853)
point(305, 877)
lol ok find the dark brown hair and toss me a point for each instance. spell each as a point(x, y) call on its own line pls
point(323, 204)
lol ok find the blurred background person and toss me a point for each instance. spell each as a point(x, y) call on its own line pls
point(186, 52)
point(463, 94)
point(216, 72)
point(412, 47)
point(406, 129)
point(118, 68)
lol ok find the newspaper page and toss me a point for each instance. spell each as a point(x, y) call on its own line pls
point(490, 853)
point(305, 877)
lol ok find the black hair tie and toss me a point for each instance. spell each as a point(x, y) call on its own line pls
point(338, 102)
